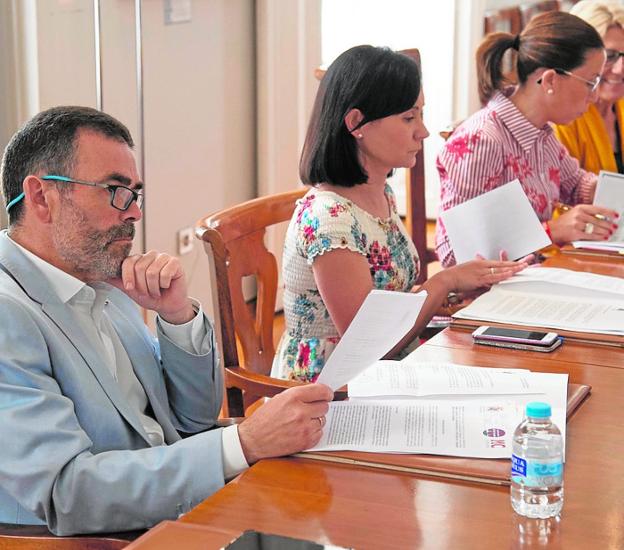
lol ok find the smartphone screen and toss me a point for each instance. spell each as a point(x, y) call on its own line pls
point(514, 333)
point(534, 337)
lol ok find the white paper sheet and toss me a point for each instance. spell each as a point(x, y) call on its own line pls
point(556, 279)
point(417, 379)
point(479, 427)
point(501, 219)
point(606, 246)
point(610, 194)
point(382, 320)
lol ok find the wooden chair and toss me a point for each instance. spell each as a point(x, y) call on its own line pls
point(416, 215)
point(530, 10)
point(503, 20)
point(234, 241)
point(35, 537)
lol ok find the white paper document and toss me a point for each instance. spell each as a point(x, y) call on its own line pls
point(418, 379)
point(554, 298)
point(382, 320)
point(469, 427)
point(501, 219)
point(610, 194)
point(603, 246)
point(545, 277)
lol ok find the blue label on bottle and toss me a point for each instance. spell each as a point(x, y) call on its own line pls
point(536, 474)
point(518, 466)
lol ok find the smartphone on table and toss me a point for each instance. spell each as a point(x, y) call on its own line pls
point(531, 340)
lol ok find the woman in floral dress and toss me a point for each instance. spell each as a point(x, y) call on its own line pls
point(345, 237)
point(559, 62)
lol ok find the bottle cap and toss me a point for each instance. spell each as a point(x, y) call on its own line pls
point(536, 409)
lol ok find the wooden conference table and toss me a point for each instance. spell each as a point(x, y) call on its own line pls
point(353, 506)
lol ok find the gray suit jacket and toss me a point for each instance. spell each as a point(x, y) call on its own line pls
point(73, 454)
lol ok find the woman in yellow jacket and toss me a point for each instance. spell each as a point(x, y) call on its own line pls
point(596, 138)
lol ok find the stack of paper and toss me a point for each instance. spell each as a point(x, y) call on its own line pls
point(438, 408)
point(423, 407)
point(554, 298)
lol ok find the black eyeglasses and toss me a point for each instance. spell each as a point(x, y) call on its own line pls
point(121, 196)
point(613, 56)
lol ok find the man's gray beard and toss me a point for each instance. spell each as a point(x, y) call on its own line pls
point(89, 253)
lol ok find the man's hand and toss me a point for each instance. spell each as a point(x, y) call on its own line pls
point(286, 424)
point(156, 282)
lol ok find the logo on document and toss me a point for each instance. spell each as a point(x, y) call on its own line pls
point(496, 437)
point(494, 432)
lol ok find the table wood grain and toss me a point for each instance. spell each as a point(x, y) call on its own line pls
point(363, 508)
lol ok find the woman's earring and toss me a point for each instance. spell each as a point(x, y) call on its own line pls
point(359, 136)
point(549, 91)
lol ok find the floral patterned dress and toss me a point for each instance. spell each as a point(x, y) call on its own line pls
point(324, 221)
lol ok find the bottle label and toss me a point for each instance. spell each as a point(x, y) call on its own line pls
point(536, 474)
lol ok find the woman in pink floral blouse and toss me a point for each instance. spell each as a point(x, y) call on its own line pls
point(345, 237)
point(559, 60)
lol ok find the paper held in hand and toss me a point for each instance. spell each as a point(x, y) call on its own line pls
point(501, 219)
point(610, 194)
point(383, 319)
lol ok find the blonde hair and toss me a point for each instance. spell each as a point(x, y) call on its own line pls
point(600, 14)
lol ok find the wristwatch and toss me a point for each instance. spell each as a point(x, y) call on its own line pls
point(452, 299)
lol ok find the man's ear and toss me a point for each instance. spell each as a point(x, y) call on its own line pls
point(352, 119)
point(38, 197)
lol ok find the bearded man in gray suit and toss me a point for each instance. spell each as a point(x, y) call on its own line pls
point(103, 427)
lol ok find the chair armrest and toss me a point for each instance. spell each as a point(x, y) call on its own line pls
point(259, 384)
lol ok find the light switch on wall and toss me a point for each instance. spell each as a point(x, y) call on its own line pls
point(177, 11)
point(186, 238)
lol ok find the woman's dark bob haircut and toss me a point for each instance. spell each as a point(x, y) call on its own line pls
point(378, 82)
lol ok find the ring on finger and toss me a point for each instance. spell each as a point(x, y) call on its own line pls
point(492, 272)
point(321, 420)
point(589, 228)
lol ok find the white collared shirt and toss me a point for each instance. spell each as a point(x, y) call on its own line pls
point(88, 302)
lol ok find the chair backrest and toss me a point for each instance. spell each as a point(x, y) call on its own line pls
point(530, 10)
point(503, 20)
point(416, 212)
point(234, 241)
point(416, 215)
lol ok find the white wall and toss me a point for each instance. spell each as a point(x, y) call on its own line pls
point(199, 121)
point(401, 25)
point(199, 98)
point(288, 52)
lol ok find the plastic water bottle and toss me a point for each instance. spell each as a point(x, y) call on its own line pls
point(537, 465)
